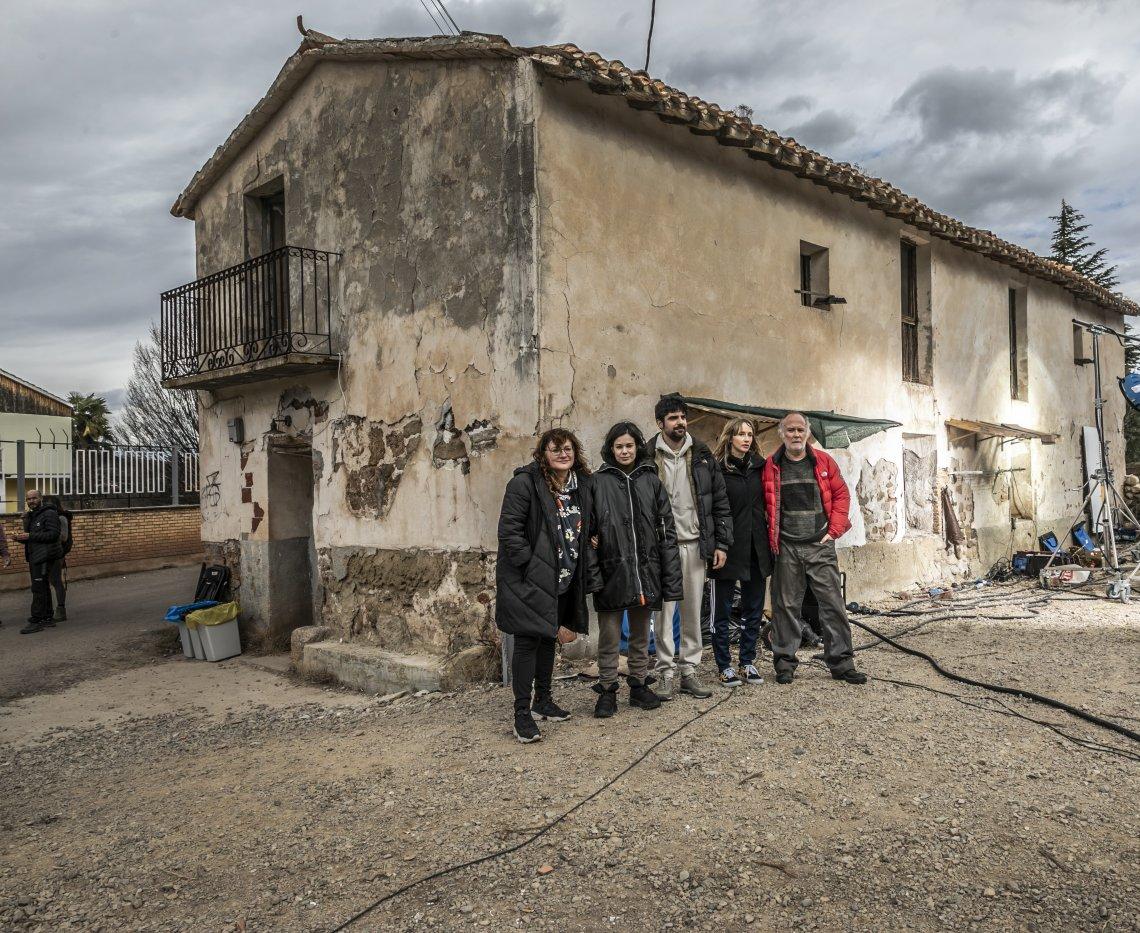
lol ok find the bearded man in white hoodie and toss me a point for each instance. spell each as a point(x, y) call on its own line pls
point(704, 534)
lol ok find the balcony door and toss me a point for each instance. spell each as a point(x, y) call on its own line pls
point(267, 312)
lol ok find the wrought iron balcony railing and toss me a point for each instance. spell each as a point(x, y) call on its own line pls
point(269, 313)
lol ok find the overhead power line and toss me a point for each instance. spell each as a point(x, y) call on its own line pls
point(427, 10)
point(447, 13)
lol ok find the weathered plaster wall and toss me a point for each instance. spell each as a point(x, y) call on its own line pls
point(669, 263)
point(422, 175)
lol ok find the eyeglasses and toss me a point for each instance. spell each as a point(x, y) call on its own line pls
point(568, 449)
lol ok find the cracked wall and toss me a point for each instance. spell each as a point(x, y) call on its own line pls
point(669, 263)
point(422, 175)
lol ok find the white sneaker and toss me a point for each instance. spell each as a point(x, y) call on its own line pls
point(751, 675)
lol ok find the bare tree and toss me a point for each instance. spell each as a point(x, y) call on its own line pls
point(152, 415)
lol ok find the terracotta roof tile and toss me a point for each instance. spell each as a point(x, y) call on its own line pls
point(643, 92)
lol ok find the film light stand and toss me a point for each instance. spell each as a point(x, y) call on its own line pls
point(1120, 586)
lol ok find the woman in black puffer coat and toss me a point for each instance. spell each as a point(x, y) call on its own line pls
point(543, 571)
point(638, 562)
point(749, 558)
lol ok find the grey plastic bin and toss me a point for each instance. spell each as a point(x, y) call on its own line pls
point(187, 643)
point(219, 641)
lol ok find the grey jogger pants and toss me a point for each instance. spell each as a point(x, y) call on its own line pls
point(609, 642)
point(795, 565)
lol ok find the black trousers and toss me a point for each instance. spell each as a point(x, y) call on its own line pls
point(532, 661)
point(751, 614)
point(41, 592)
point(58, 583)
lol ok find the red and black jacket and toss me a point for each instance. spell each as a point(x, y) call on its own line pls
point(833, 494)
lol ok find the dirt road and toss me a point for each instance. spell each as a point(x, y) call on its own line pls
point(814, 806)
point(110, 628)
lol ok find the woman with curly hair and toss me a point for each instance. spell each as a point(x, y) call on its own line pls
point(542, 573)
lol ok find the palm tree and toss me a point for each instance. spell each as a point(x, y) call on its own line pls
point(90, 420)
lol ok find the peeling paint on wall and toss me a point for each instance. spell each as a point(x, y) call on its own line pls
point(373, 454)
point(878, 499)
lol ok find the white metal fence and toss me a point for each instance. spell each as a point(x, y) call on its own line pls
point(96, 472)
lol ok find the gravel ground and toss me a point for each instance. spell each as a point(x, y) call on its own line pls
point(814, 806)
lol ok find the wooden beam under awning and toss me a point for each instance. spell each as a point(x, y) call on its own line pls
point(984, 429)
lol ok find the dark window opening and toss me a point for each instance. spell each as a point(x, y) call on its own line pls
point(814, 282)
point(1018, 346)
point(909, 263)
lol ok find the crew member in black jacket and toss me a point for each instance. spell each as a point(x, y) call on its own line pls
point(638, 562)
point(543, 572)
point(40, 538)
point(749, 559)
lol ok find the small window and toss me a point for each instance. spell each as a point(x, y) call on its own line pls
point(813, 275)
point(1018, 346)
point(1080, 351)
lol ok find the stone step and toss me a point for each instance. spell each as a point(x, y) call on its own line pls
point(370, 669)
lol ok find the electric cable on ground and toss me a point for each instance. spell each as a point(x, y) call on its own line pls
point(540, 832)
point(999, 688)
point(1007, 710)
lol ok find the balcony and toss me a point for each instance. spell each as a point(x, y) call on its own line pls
point(262, 319)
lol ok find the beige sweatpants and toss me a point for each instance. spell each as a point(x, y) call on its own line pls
point(609, 644)
point(693, 578)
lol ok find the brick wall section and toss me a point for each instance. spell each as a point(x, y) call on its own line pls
point(104, 536)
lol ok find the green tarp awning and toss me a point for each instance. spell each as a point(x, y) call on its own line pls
point(828, 428)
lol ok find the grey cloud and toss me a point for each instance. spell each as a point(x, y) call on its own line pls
point(951, 102)
point(825, 130)
point(795, 104)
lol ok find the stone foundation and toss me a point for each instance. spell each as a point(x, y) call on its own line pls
point(412, 601)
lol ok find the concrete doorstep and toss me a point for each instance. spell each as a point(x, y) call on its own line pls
point(380, 671)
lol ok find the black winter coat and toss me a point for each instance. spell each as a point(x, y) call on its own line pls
point(749, 521)
point(526, 586)
point(42, 526)
point(637, 557)
point(713, 512)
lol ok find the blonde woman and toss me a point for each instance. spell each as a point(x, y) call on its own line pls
point(749, 560)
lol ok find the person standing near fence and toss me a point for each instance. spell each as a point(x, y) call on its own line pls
point(5, 554)
point(40, 538)
point(57, 572)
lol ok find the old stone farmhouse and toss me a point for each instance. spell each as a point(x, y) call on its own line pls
point(416, 253)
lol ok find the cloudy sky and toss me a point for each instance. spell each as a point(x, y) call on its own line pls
point(990, 110)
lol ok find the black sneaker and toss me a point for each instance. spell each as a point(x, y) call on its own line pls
point(641, 696)
point(526, 729)
point(607, 701)
point(545, 708)
point(784, 677)
point(851, 676)
point(31, 628)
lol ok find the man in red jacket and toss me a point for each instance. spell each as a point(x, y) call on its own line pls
point(807, 504)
